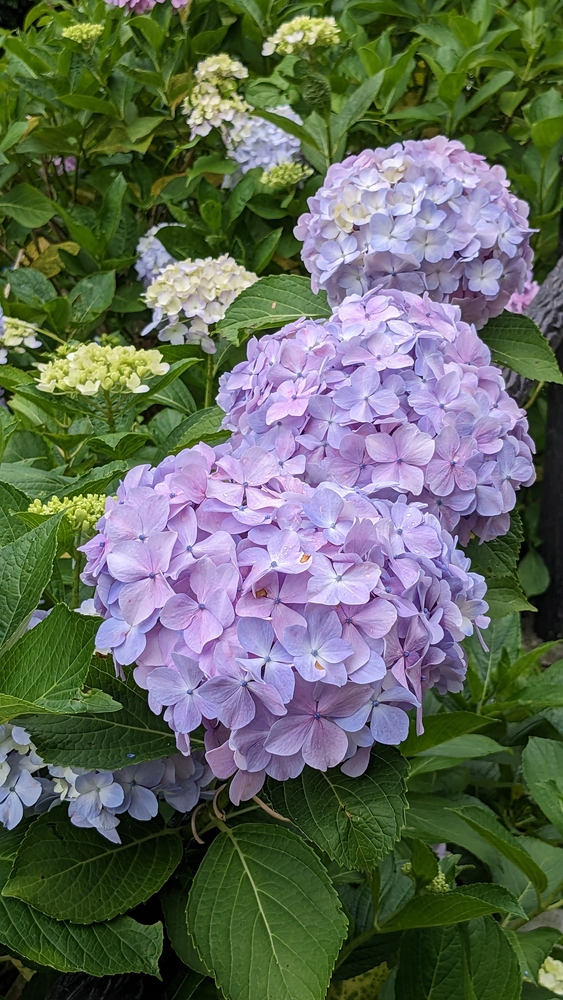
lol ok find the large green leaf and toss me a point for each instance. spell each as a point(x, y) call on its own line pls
point(76, 875)
point(110, 741)
point(92, 296)
point(272, 302)
point(542, 762)
point(498, 557)
point(45, 670)
point(468, 747)
point(441, 728)
point(98, 480)
point(27, 206)
point(25, 570)
point(517, 342)
point(104, 949)
point(432, 966)
point(495, 834)
point(31, 287)
point(11, 500)
point(463, 903)
point(356, 821)
point(264, 916)
point(198, 426)
point(532, 948)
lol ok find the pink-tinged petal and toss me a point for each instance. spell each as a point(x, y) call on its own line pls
point(111, 633)
point(245, 785)
point(385, 475)
point(381, 448)
point(325, 745)
point(187, 715)
point(377, 618)
point(221, 761)
point(137, 601)
point(130, 562)
point(287, 735)
point(440, 477)
point(166, 685)
point(178, 612)
point(414, 446)
point(132, 647)
point(203, 627)
point(389, 725)
point(160, 547)
point(220, 605)
point(465, 478)
point(423, 541)
point(410, 479)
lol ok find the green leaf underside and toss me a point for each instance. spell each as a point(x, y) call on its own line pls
point(355, 820)
point(517, 342)
point(76, 875)
point(118, 946)
point(462, 903)
point(264, 891)
point(45, 670)
point(272, 302)
point(108, 741)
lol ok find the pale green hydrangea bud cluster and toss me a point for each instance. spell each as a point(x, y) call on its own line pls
point(301, 34)
point(200, 291)
point(214, 99)
point(285, 175)
point(92, 368)
point(83, 511)
point(84, 34)
point(16, 335)
point(551, 976)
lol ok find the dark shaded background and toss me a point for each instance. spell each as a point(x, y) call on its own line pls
point(12, 12)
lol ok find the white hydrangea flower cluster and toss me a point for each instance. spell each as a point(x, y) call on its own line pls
point(200, 291)
point(300, 34)
point(16, 335)
point(92, 368)
point(254, 142)
point(550, 976)
point(285, 175)
point(214, 99)
point(153, 255)
point(84, 34)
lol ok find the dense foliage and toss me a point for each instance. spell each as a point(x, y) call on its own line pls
point(307, 748)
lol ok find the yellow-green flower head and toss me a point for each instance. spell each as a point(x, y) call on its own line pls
point(217, 69)
point(84, 34)
point(301, 34)
point(16, 335)
point(285, 175)
point(551, 976)
point(93, 368)
point(83, 512)
point(439, 884)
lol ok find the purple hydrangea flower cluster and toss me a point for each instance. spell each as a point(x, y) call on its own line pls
point(298, 624)
point(422, 215)
point(519, 301)
point(393, 394)
point(142, 6)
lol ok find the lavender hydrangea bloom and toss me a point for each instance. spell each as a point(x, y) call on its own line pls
point(422, 215)
point(142, 6)
point(153, 256)
point(317, 600)
point(254, 142)
point(393, 394)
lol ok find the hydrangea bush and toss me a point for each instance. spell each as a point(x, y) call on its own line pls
point(267, 728)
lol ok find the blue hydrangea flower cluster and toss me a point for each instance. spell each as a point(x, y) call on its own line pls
point(419, 216)
point(254, 142)
point(394, 394)
point(152, 255)
point(297, 624)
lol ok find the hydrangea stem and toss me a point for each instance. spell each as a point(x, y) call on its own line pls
point(110, 417)
point(77, 565)
point(208, 398)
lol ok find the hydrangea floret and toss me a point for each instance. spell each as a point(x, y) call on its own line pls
point(214, 99)
point(298, 624)
point(153, 256)
point(519, 301)
point(143, 6)
point(550, 976)
point(302, 34)
point(423, 215)
point(254, 142)
point(84, 34)
point(285, 175)
point(17, 335)
point(94, 368)
point(95, 798)
point(199, 291)
point(393, 394)
point(83, 511)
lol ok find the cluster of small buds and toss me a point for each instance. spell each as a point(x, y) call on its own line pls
point(214, 99)
point(285, 175)
point(16, 335)
point(422, 215)
point(153, 256)
point(393, 394)
point(519, 301)
point(84, 34)
point(199, 291)
point(302, 34)
point(298, 624)
point(254, 142)
point(82, 512)
point(143, 6)
point(93, 368)
point(550, 976)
